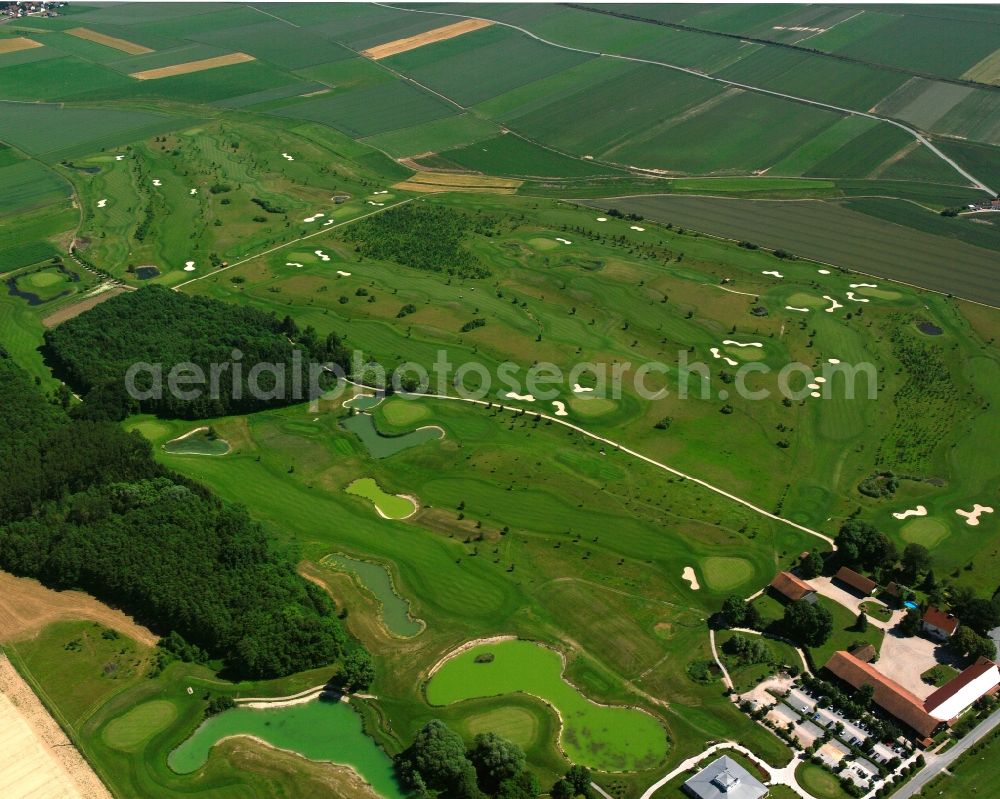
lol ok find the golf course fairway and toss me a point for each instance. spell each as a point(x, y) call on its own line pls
point(323, 730)
point(389, 506)
point(601, 737)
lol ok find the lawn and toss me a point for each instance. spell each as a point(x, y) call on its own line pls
point(819, 782)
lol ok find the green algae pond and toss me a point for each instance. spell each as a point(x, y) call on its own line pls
point(324, 730)
point(382, 446)
point(376, 580)
point(200, 441)
point(389, 506)
point(602, 737)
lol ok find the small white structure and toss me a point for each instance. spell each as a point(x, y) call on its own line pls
point(956, 696)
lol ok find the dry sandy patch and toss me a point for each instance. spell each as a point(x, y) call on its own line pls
point(427, 37)
point(18, 43)
point(39, 761)
point(193, 66)
point(109, 41)
point(26, 606)
point(77, 308)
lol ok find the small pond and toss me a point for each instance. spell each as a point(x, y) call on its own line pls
point(376, 579)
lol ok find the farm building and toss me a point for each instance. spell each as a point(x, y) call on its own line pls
point(938, 624)
point(957, 695)
point(792, 588)
point(725, 778)
point(856, 582)
point(889, 695)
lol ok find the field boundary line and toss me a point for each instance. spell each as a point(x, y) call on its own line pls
point(274, 16)
point(320, 232)
point(978, 184)
point(622, 448)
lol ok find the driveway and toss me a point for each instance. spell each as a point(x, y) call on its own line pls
point(828, 588)
point(904, 659)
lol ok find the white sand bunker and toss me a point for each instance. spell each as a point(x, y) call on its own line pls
point(772, 273)
point(193, 192)
point(372, 202)
point(823, 271)
point(293, 263)
point(321, 255)
point(157, 182)
point(328, 222)
point(737, 344)
point(287, 157)
point(689, 575)
point(189, 266)
point(834, 305)
point(342, 273)
point(920, 510)
point(819, 379)
point(578, 389)
point(636, 227)
point(523, 397)
point(564, 241)
point(972, 516)
point(602, 219)
point(834, 361)
point(813, 386)
point(101, 203)
point(815, 394)
point(793, 308)
point(560, 408)
point(119, 157)
point(850, 296)
point(864, 285)
point(313, 218)
point(384, 191)
point(716, 354)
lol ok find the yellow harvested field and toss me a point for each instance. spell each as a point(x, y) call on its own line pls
point(39, 761)
point(109, 41)
point(18, 43)
point(464, 182)
point(987, 70)
point(193, 66)
point(26, 606)
point(428, 37)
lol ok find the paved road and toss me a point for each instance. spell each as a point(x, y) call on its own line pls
point(733, 84)
point(937, 763)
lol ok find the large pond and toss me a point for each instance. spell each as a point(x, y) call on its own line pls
point(376, 579)
point(601, 737)
point(381, 446)
point(322, 730)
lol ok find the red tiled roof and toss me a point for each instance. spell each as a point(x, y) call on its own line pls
point(789, 585)
point(857, 581)
point(956, 684)
point(889, 694)
point(941, 620)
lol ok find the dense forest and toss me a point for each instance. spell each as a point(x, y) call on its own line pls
point(83, 504)
point(155, 325)
point(426, 237)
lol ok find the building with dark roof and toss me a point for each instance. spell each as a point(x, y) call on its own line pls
point(938, 624)
point(889, 695)
point(725, 779)
point(793, 588)
point(855, 581)
point(957, 695)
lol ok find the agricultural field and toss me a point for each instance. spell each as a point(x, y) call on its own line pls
point(653, 326)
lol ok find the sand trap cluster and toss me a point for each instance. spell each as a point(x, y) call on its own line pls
point(293, 263)
point(602, 219)
point(560, 408)
point(689, 575)
point(737, 344)
point(772, 273)
point(972, 516)
point(834, 305)
point(321, 255)
point(636, 227)
point(793, 308)
point(313, 218)
point(523, 397)
point(157, 182)
point(563, 241)
point(342, 273)
point(578, 389)
point(920, 510)
point(189, 266)
point(101, 203)
point(850, 296)
point(718, 355)
point(287, 157)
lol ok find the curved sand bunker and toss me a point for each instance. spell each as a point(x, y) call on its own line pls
point(689, 575)
point(920, 510)
point(864, 285)
point(793, 308)
point(578, 389)
point(772, 273)
point(853, 298)
point(718, 355)
point(342, 273)
point(101, 203)
point(287, 157)
point(636, 227)
point(737, 344)
point(189, 266)
point(157, 182)
point(321, 255)
point(563, 241)
point(834, 305)
point(293, 263)
point(313, 218)
point(560, 408)
point(972, 516)
point(522, 397)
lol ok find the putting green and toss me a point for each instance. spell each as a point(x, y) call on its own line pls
point(40, 280)
point(925, 531)
point(513, 723)
point(389, 506)
point(882, 294)
point(543, 244)
point(598, 736)
point(401, 412)
point(722, 574)
point(129, 732)
point(326, 731)
point(592, 406)
point(198, 442)
point(800, 299)
point(746, 353)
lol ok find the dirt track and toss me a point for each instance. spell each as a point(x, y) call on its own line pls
point(427, 37)
point(26, 606)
